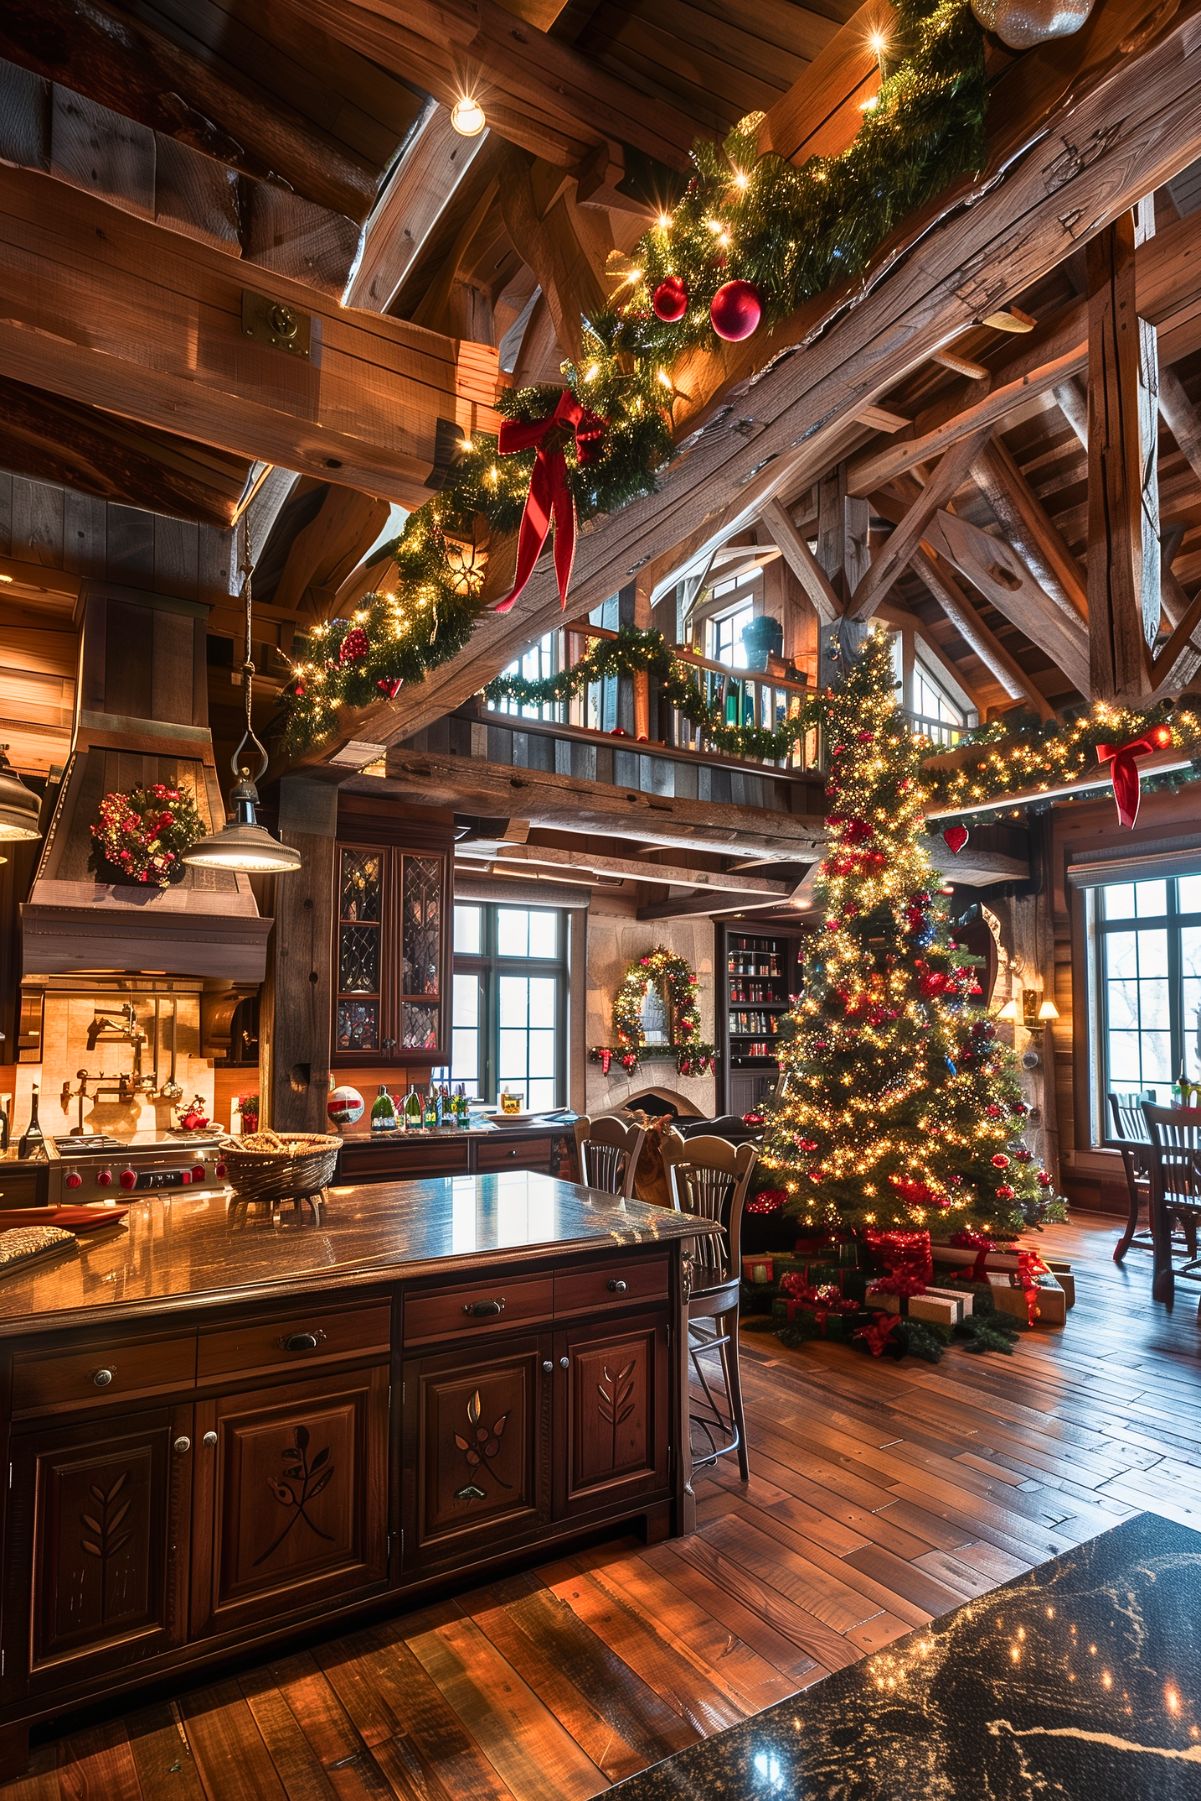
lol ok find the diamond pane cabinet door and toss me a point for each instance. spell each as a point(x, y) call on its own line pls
point(613, 1413)
point(291, 1497)
point(99, 1515)
point(477, 1429)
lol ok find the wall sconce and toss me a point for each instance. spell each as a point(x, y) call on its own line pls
point(1032, 1007)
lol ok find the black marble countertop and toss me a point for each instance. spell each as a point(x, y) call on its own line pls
point(1080, 1681)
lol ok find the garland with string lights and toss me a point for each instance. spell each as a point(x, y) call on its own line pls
point(692, 1056)
point(752, 238)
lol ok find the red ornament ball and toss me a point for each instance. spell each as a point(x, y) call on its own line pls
point(1004, 1192)
point(736, 310)
point(670, 300)
point(354, 646)
point(1000, 1161)
point(1044, 1178)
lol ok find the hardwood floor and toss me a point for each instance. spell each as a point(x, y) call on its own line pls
point(881, 1494)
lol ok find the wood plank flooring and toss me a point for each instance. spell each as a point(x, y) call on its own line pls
point(881, 1494)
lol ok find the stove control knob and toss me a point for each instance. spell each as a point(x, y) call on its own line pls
point(185, 1178)
point(198, 1172)
point(104, 1178)
point(74, 1179)
point(220, 1170)
point(128, 1178)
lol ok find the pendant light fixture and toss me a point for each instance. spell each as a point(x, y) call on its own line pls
point(19, 806)
point(243, 844)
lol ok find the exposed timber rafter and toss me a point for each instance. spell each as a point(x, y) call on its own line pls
point(565, 244)
point(890, 561)
point(802, 561)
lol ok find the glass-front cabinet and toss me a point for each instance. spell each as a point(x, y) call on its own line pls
point(391, 955)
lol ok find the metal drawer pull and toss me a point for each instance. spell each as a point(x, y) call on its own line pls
point(102, 1378)
point(181, 1445)
point(209, 1441)
point(616, 1285)
point(565, 1363)
point(483, 1309)
point(302, 1341)
point(547, 1367)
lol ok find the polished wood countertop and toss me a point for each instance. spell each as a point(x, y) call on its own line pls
point(178, 1254)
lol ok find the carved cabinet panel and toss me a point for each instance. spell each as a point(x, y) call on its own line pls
point(612, 1425)
point(391, 955)
point(99, 1515)
point(291, 1497)
point(477, 1446)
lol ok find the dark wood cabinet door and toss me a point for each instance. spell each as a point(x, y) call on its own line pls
point(612, 1424)
point(95, 1552)
point(291, 1498)
point(477, 1447)
point(391, 954)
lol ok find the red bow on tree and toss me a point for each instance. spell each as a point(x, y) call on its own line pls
point(549, 499)
point(1127, 787)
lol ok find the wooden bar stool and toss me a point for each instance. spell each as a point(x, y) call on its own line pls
point(709, 1178)
point(608, 1149)
point(1175, 1148)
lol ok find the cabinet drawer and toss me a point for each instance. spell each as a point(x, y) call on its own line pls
point(403, 1161)
point(49, 1381)
point(502, 1153)
point(611, 1285)
point(477, 1307)
point(307, 1336)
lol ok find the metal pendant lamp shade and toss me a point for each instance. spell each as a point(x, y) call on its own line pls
point(19, 806)
point(242, 844)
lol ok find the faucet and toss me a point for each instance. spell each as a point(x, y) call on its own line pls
point(125, 1029)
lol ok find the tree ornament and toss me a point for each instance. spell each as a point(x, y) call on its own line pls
point(354, 646)
point(955, 837)
point(390, 685)
point(670, 300)
point(1023, 23)
point(735, 311)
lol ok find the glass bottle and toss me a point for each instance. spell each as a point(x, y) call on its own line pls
point(431, 1108)
point(414, 1118)
point(1180, 1091)
point(383, 1111)
point(33, 1139)
point(462, 1110)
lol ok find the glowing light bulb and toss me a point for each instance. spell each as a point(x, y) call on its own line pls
point(467, 116)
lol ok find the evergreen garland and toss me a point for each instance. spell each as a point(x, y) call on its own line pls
point(791, 232)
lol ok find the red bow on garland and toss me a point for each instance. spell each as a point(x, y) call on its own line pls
point(549, 498)
point(1127, 786)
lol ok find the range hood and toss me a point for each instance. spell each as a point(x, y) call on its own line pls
point(141, 717)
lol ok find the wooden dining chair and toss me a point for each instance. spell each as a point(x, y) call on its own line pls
point(709, 1177)
point(608, 1149)
point(1130, 1130)
point(1175, 1160)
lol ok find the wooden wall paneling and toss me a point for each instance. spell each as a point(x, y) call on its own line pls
point(1119, 666)
point(297, 996)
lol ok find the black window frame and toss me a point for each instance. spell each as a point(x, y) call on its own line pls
point(1173, 922)
point(489, 965)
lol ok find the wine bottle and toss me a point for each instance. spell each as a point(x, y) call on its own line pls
point(33, 1139)
point(462, 1110)
point(1180, 1090)
point(383, 1111)
point(413, 1112)
point(431, 1108)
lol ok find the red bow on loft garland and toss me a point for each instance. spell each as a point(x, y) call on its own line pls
point(1127, 787)
point(549, 499)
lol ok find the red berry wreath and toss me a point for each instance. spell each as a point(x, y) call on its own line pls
point(142, 835)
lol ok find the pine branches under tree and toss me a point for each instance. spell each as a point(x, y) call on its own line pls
point(897, 1107)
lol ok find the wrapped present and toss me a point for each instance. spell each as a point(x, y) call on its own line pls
point(937, 1309)
point(820, 1304)
point(881, 1300)
point(1062, 1273)
point(759, 1271)
point(963, 1295)
point(1035, 1298)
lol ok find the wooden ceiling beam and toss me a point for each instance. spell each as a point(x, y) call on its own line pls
point(801, 560)
point(565, 245)
point(537, 91)
point(979, 637)
point(76, 446)
point(641, 869)
point(822, 110)
point(102, 308)
point(893, 556)
point(100, 51)
point(1032, 532)
point(1138, 111)
point(1119, 662)
point(325, 551)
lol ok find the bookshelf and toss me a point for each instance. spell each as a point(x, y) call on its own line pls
point(760, 969)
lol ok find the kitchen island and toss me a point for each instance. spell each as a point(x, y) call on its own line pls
point(222, 1431)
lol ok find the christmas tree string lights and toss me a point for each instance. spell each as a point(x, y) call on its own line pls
point(897, 1107)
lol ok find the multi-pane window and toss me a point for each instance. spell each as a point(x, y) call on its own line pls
point(509, 1002)
point(535, 664)
point(935, 712)
point(725, 634)
point(1148, 984)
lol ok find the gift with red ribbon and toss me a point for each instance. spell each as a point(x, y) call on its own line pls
point(877, 1333)
point(818, 1301)
point(906, 1257)
point(549, 500)
point(1124, 771)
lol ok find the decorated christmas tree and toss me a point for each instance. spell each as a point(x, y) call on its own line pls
point(897, 1107)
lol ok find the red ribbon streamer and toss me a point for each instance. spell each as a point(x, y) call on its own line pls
point(549, 499)
point(1124, 773)
point(877, 1335)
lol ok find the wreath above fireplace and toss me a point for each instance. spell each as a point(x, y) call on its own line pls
point(660, 973)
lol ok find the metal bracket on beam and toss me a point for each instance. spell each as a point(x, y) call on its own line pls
point(273, 322)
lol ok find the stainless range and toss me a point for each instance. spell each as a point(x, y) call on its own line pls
point(94, 1167)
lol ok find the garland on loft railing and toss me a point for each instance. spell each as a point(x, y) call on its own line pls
point(751, 240)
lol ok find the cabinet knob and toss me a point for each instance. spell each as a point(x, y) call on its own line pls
point(302, 1341)
point(565, 1363)
point(102, 1378)
point(182, 1444)
point(547, 1367)
point(209, 1441)
point(615, 1285)
point(483, 1309)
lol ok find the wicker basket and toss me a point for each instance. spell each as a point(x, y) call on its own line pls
point(274, 1175)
